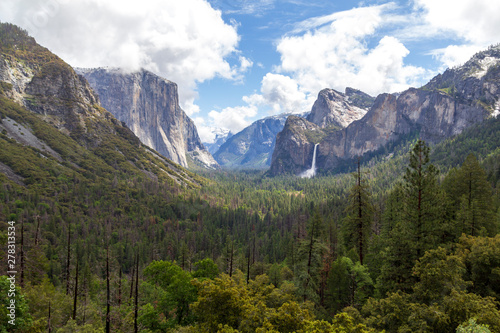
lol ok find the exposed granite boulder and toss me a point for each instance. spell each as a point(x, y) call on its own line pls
point(50, 87)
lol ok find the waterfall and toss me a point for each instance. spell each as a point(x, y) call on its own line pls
point(309, 173)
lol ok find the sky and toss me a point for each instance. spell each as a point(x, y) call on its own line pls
point(238, 61)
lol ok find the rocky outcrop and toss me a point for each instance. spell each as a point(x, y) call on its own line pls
point(447, 105)
point(295, 146)
point(50, 87)
point(61, 118)
point(335, 109)
point(253, 147)
point(149, 106)
point(434, 115)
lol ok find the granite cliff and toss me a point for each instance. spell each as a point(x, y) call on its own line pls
point(333, 108)
point(253, 147)
point(46, 85)
point(149, 106)
point(447, 105)
point(53, 127)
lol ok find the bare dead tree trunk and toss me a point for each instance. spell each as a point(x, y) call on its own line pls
point(136, 291)
point(21, 282)
point(108, 306)
point(49, 327)
point(132, 283)
point(120, 288)
point(76, 291)
point(68, 258)
point(37, 232)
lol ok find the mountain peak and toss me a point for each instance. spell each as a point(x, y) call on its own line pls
point(333, 108)
point(446, 106)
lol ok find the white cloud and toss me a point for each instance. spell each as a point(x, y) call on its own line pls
point(475, 22)
point(185, 41)
point(455, 55)
point(232, 118)
point(280, 94)
point(205, 132)
point(332, 52)
point(245, 64)
point(335, 55)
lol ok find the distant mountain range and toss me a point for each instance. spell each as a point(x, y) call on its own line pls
point(448, 104)
point(221, 135)
point(92, 105)
point(253, 147)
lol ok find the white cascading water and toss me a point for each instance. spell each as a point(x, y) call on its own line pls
point(309, 173)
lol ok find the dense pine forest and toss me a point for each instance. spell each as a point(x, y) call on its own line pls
point(110, 237)
point(396, 246)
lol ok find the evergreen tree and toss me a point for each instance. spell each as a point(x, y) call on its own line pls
point(421, 200)
point(415, 221)
point(348, 284)
point(357, 224)
point(309, 263)
point(471, 196)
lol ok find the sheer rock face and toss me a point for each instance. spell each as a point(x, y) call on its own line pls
point(294, 150)
point(333, 108)
point(149, 106)
point(448, 104)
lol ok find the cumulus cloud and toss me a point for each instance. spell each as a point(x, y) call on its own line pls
point(185, 41)
point(205, 132)
point(233, 118)
point(334, 53)
point(331, 52)
point(474, 22)
point(280, 94)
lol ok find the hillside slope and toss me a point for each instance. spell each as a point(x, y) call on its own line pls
point(53, 124)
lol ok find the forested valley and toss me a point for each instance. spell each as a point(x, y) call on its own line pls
point(108, 236)
point(402, 244)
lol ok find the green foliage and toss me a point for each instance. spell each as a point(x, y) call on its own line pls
point(295, 239)
point(439, 274)
point(348, 284)
point(480, 140)
point(310, 259)
point(44, 296)
point(229, 303)
point(481, 256)
point(179, 292)
point(205, 268)
point(14, 309)
point(415, 222)
point(472, 327)
point(357, 225)
point(471, 197)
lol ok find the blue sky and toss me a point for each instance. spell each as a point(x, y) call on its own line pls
point(242, 60)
